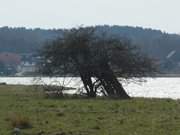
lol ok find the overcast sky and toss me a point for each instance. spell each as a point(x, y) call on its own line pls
point(156, 14)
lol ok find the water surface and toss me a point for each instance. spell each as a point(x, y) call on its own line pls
point(157, 88)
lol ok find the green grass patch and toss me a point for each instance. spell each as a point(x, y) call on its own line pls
point(27, 108)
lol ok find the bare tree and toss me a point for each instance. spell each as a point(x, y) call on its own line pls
point(97, 59)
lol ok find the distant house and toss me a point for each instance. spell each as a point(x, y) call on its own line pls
point(10, 59)
point(9, 63)
point(26, 67)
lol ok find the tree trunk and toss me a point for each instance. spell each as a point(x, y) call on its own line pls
point(111, 84)
point(88, 85)
point(108, 80)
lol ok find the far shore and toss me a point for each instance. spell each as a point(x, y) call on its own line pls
point(157, 75)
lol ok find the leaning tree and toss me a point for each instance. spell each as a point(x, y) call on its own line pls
point(98, 59)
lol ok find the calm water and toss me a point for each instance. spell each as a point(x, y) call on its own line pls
point(159, 87)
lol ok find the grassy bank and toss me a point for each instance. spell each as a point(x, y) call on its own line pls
point(24, 106)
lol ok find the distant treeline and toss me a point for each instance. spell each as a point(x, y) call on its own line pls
point(22, 40)
point(155, 43)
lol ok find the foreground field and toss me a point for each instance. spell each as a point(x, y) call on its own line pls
point(26, 107)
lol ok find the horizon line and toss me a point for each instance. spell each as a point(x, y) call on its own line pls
point(71, 27)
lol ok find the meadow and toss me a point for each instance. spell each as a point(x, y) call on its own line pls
point(28, 109)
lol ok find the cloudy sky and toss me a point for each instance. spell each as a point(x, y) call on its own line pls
point(156, 14)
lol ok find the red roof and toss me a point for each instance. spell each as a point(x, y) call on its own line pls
point(10, 58)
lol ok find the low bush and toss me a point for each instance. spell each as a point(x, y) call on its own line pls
point(20, 121)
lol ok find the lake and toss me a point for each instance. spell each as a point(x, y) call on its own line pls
point(156, 88)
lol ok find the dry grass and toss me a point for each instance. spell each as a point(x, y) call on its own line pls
point(19, 121)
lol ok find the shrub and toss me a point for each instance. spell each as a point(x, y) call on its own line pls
point(19, 121)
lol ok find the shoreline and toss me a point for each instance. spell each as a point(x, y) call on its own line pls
point(157, 76)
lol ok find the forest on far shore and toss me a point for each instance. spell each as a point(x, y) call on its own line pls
point(162, 46)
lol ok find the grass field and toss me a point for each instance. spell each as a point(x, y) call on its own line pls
point(28, 108)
